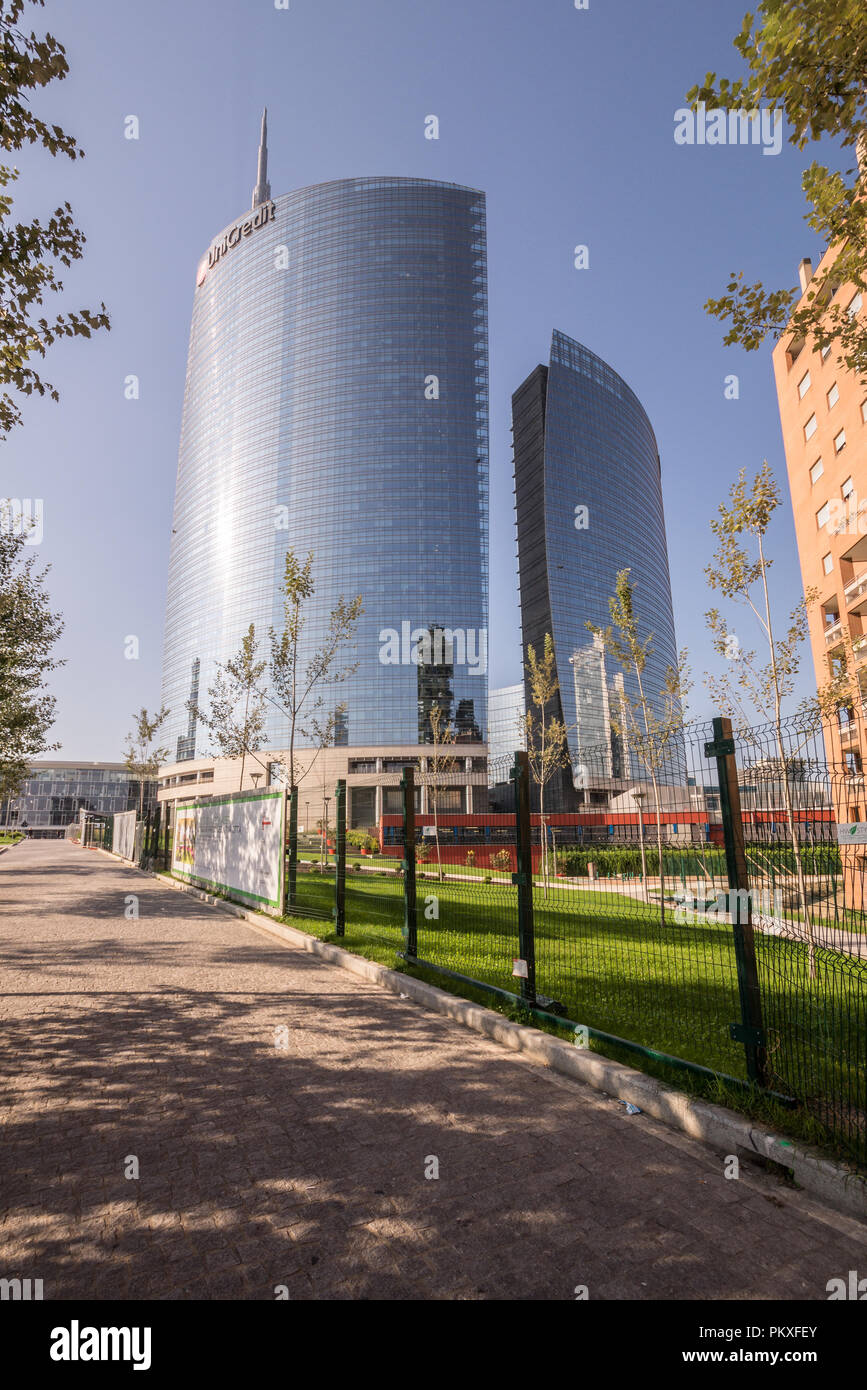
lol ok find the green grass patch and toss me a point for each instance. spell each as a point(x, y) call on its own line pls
point(612, 966)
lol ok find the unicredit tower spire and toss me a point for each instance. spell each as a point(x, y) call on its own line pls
point(262, 191)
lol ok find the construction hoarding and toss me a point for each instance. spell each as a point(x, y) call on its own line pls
point(233, 845)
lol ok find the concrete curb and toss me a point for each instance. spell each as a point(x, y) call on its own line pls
point(722, 1129)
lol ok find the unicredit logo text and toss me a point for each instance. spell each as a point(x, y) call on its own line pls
point(265, 213)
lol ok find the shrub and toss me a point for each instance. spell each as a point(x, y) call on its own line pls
point(694, 860)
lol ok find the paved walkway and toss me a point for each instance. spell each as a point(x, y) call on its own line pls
point(305, 1166)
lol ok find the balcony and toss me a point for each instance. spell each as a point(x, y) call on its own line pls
point(859, 648)
point(854, 527)
point(834, 635)
point(855, 594)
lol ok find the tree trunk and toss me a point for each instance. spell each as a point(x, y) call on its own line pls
point(796, 850)
point(787, 791)
point(643, 853)
point(244, 748)
point(659, 848)
point(437, 834)
point(652, 753)
point(542, 779)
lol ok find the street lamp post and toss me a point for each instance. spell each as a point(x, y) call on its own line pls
point(326, 799)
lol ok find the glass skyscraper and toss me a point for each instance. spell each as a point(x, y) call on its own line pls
point(589, 503)
point(337, 402)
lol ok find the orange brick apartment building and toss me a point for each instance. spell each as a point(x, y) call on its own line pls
point(823, 412)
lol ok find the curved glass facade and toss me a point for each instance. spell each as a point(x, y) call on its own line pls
point(337, 401)
point(583, 441)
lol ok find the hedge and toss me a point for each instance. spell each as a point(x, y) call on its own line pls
point(692, 861)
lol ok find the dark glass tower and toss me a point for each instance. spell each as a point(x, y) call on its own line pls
point(337, 401)
point(589, 503)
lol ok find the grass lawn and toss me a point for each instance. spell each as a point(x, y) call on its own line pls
point(607, 959)
point(10, 837)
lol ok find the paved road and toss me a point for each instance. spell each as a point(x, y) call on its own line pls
point(260, 1166)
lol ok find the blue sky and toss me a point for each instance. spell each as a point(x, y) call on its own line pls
point(564, 117)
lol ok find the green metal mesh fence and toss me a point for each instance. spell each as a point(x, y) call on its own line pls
point(639, 932)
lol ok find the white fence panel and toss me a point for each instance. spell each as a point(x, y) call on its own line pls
point(123, 834)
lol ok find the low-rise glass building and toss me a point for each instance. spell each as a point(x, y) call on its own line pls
point(53, 795)
point(505, 734)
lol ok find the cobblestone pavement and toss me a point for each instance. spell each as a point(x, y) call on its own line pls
point(305, 1166)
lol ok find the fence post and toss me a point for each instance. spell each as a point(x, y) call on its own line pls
point(340, 858)
point(410, 917)
point(520, 777)
point(291, 869)
point(750, 1030)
